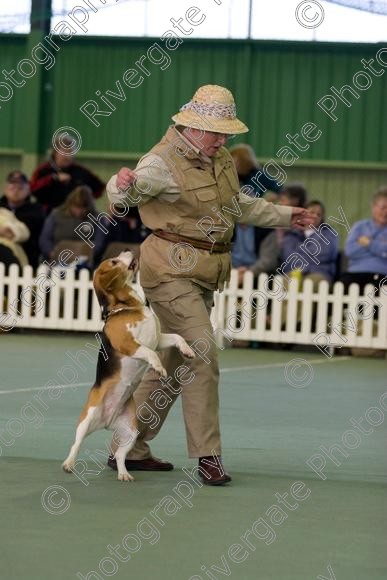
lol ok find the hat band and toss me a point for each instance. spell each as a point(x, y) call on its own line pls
point(211, 110)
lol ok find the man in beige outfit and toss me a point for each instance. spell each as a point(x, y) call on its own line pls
point(188, 194)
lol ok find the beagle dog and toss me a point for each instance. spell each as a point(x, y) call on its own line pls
point(130, 336)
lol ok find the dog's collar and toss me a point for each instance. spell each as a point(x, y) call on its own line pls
point(116, 311)
point(107, 315)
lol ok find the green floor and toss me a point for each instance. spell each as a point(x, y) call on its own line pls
point(270, 430)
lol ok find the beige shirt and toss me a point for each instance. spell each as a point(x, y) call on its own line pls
point(155, 180)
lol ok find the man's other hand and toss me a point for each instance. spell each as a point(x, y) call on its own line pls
point(125, 178)
point(301, 218)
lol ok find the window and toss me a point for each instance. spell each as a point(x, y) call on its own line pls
point(320, 20)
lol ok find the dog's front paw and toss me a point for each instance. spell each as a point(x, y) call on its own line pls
point(68, 466)
point(125, 477)
point(186, 351)
point(161, 371)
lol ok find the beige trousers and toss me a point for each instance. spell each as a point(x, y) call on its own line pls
point(182, 307)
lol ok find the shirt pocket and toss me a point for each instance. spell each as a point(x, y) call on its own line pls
point(204, 195)
point(205, 199)
point(201, 185)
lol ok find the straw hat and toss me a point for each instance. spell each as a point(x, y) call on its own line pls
point(212, 108)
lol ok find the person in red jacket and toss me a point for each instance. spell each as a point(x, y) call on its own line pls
point(53, 181)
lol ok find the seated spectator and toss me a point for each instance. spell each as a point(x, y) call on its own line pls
point(293, 240)
point(293, 194)
point(366, 246)
point(12, 233)
point(53, 181)
point(247, 168)
point(17, 199)
point(263, 254)
point(128, 229)
point(61, 223)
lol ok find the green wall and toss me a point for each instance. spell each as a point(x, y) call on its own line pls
point(12, 112)
point(276, 86)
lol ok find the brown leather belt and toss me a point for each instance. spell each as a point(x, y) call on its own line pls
point(212, 247)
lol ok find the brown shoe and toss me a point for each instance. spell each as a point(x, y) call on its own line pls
point(149, 464)
point(212, 472)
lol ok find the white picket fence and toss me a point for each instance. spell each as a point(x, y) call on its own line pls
point(268, 312)
point(65, 300)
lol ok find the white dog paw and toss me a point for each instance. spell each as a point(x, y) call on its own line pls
point(125, 477)
point(161, 371)
point(68, 466)
point(186, 351)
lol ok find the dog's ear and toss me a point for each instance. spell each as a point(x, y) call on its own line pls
point(103, 301)
point(107, 281)
point(106, 275)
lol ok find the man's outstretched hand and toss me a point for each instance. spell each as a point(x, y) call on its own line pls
point(125, 178)
point(301, 218)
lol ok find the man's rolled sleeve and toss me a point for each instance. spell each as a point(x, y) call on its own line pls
point(153, 178)
point(258, 212)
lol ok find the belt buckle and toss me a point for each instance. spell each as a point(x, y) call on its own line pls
point(212, 247)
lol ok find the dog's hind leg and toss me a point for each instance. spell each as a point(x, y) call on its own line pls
point(124, 436)
point(85, 426)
